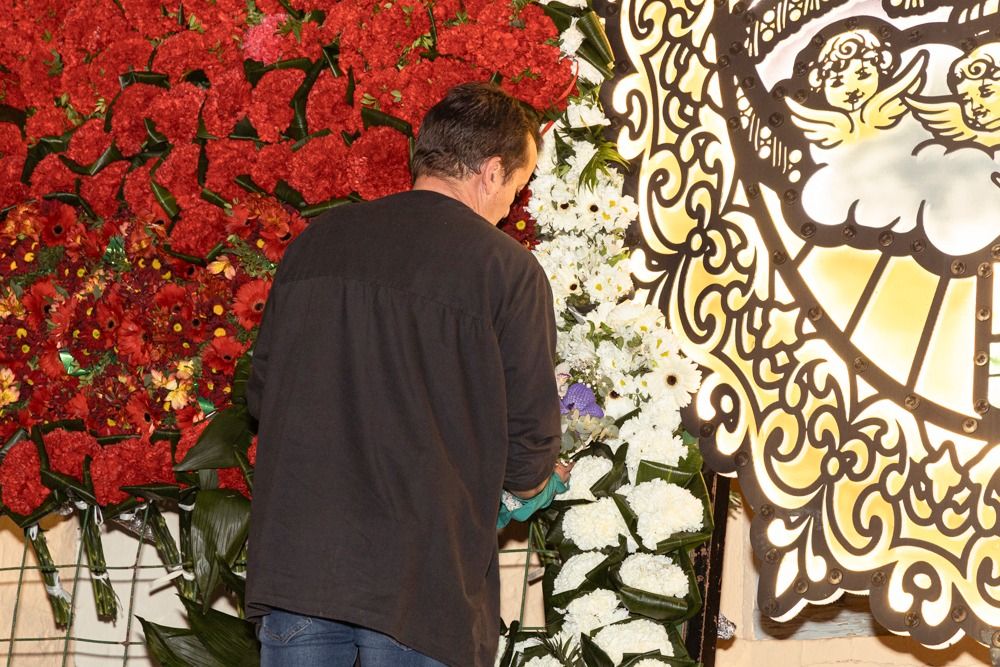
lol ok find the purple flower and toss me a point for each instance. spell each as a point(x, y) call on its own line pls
point(580, 397)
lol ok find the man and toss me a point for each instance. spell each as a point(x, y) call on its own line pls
point(403, 376)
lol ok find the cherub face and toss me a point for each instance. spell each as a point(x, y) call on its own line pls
point(851, 83)
point(978, 87)
point(848, 69)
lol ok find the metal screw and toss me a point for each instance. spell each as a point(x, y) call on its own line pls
point(815, 313)
point(791, 195)
point(779, 93)
point(885, 239)
point(995, 251)
point(918, 246)
point(707, 429)
point(767, 511)
point(749, 82)
point(835, 577)
point(808, 229)
point(985, 270)
point(775, 119)
point(771, 555)
point(753, 191)
point(801, 68)
point(733, 122)
point(911, 402)
point(959, 614)
point(911, 619)
point(770, 607)
point(983, 314)
point(735, 47)
point(742, 458)
point(779, 257)
point(981, 358)
point(801, 586)
point(970, 425)
point(850, 232)
point(860, 365)
point(723, 59)
point(996, 639)
point(878, 579)
point(982, 406)
point(958, 267)
point(801, 95)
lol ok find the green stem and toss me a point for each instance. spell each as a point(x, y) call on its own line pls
point(58, 597)
point(104, 594)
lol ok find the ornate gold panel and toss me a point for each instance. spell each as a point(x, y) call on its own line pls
point(820, 218)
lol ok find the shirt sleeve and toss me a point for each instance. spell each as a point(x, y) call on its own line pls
point(527, 341)
point(261, 349)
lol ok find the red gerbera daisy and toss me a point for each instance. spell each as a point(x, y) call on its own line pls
point(250, 300)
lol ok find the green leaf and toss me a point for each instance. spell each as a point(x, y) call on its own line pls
point(372, 117)
point(593, 655)
point(60, 482)
point(9, 114)
point(165, 199)
point(659, 607)
point(233, 582)
point(313, 210)
point(229, 429)
point(176, 647)
point(247, 183)
point(241, 375)
point(289, 195)
point(593, 32)
point(219, 525)
point(331, 56)
point(151, 78)
point(560, 13)
point(229, 638)
point(162, 492)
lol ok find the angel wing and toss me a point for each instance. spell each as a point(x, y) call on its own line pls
point(824, 127)
point(945, 121)
point(886, 107)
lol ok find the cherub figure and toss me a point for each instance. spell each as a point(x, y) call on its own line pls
point(973, 120)
point(854, 72)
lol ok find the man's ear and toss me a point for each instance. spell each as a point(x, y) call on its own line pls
point(492, 174)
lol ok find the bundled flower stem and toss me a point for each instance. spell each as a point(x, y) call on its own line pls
point(169, 554)
point(58, 597)
point(104, 594)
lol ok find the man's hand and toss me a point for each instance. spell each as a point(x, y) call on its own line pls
point(561, 468)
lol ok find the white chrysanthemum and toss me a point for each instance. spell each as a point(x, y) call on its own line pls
point(677, 377)
point(661, 416)
point(591, 611)
point(595, 525)
point(570, 40)
point(574, 571)
point(615, 363)
point(544, 661)
point(655, 574)
point(584, 112)
point(588, 72)
point(655, 446)
point(583, 152)
point(664, 509)
point(586, 472)
point(574, 348)
point(639, 636)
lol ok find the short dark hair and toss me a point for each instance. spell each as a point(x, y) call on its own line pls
point(473, 122)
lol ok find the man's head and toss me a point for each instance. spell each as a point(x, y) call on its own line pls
point(479, 137)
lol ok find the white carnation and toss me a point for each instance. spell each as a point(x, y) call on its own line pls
point(639, 636)
point(588, 72)
point(574, 348)
point(591, 611)
point(594, 525)
point(655, 446)
point(574, 571)
point(656, 574)
point(544, 661)
point(586, 472)
point(664, 509)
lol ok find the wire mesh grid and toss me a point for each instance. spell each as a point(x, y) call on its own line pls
point(522, 558)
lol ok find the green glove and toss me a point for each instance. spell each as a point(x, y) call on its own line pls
point(512, 507)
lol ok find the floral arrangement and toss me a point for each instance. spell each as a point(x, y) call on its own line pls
point(157, 159)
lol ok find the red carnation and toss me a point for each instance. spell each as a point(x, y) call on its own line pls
point(189, 438)
point(88, 142)
point(227, 159)
point(101, 189)
point(327, 106)
point(317, 169)
point(21, 479)
point(226, 102)
point(263, 42)
point(175, 112)
point(130, 463)
point(377, 164)
point(270, 103)
point(139, 194)
point(249, 304)
point(179, 174)
point(51, 175)
point(130, 111)
point(148, 18)
point(200, 227)
point(273, 163)
point(68, 449)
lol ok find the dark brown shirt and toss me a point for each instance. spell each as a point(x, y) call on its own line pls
point(402, 376)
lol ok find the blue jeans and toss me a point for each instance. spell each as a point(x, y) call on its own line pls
point(293, 640)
